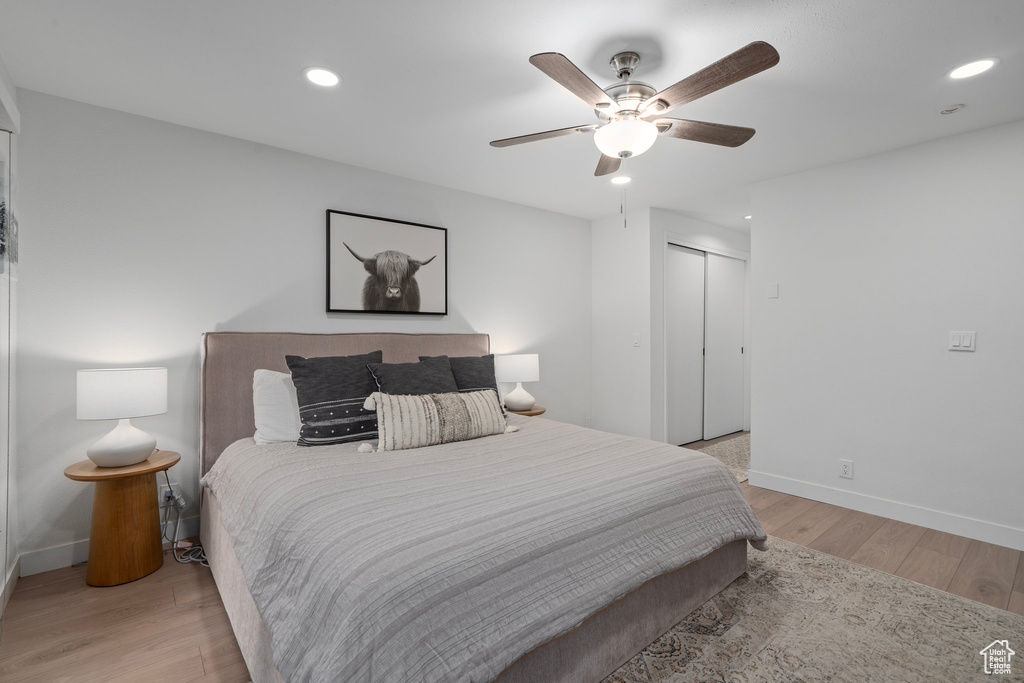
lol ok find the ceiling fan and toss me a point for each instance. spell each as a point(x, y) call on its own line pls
point(632, 113)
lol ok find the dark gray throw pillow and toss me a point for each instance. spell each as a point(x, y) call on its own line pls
point(472, 373)
point(331, 392)
point(429, 376)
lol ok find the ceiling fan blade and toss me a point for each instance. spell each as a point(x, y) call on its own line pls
point(712, 133)
point(568, 75)
point(743, 63)
point(508, 142)
point(607, 165)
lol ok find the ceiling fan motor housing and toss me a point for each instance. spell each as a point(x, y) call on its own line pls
point(629, 95)
point(624, 133)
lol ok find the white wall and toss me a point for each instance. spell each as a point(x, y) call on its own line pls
point(621, 296)
point(10, 117)
point(679, 228)
point(140, 235)
point(877, 260)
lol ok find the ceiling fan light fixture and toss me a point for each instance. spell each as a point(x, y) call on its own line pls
point(621, 179)
point(973, 69)
point(625, 138)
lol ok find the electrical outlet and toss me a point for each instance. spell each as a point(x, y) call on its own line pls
point(163, 493)
point(846, 469)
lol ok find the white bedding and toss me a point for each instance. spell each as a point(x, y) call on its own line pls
point(450, 562)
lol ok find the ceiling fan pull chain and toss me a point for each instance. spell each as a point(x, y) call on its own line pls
point(622, 207)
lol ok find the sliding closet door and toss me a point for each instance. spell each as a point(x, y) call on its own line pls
point(684, 330)
point(723, 361)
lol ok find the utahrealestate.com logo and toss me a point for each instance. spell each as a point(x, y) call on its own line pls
point(997, 657)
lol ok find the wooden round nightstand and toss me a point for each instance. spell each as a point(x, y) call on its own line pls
point(532, 412)
point(124, 543)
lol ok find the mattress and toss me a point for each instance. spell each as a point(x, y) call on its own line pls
point(451, 562)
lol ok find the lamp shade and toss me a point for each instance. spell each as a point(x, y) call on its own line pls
point(523, 367)
point(625, 138)
point(121, 393)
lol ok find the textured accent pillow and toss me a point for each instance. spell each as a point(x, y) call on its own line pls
point(331, 391)
point(430, 376)
point(275, 407)
point(406, 421)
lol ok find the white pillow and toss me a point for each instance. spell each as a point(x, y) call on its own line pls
point(275, 407)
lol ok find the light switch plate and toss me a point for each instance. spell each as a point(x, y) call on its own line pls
point(773, 290)
point(961, 341)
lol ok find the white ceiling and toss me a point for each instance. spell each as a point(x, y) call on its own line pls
point(426, 85)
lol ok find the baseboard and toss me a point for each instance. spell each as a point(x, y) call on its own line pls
point(57, 557)
point(10, 581)
point(989, 532)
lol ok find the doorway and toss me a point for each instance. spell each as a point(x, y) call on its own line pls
point(704, 347)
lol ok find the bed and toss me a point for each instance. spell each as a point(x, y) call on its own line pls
point(596, 613)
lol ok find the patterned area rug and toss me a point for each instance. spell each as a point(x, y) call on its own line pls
point(734, 452)
point(801, 615)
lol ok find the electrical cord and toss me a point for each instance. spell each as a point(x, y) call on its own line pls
point(184, 554)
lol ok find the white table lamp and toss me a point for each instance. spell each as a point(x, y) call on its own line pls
point(121, 394)
point(524, 367)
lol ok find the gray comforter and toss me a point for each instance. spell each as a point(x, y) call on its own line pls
point(448, 563)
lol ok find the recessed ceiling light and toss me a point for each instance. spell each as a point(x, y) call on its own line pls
point(972, 69)
point(321, 76)
point(747, 217)
point(621, 179)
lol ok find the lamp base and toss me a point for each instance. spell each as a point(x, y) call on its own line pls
point(519, 398)
point(124, 445)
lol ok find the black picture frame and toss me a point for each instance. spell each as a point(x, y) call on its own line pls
point(366, 259)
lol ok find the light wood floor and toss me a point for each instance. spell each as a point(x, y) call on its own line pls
point(973, 569)
point(171, 625)
point(168, 626)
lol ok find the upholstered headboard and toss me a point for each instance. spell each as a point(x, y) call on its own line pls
point(230, 358)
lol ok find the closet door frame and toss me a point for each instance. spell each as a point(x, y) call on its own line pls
point(690, 243)
point(685, 342)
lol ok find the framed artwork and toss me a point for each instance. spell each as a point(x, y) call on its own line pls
point(380, 265)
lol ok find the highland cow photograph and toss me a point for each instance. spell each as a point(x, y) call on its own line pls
point(380, 265)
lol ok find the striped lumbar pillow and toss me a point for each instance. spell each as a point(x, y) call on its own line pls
point(431, 419)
